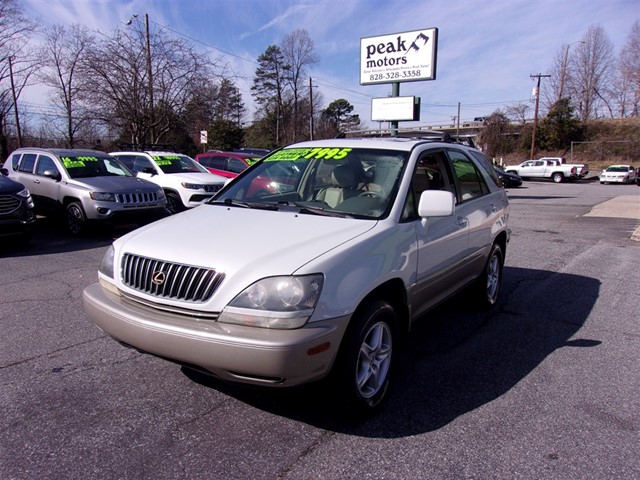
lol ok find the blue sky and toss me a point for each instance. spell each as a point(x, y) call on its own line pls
point(487, 49)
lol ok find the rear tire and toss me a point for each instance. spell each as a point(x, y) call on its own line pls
point(557, 177)
point(487, 287)
point(363, 369)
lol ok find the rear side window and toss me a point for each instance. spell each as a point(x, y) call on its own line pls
point(469, 182)
point(15, 159)
point(27, 163)
point(487, 166)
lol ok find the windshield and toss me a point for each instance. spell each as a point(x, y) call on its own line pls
point(618, 169)
point(174, 163)
point(351, 182)
point(91, 166)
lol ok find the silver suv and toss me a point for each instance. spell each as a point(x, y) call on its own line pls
point(321, 276)
point(86, 185)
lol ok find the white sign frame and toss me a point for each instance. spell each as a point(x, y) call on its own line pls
point(390, 109)
point(399, 57)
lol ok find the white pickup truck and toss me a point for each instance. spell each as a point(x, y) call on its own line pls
point(554, 168)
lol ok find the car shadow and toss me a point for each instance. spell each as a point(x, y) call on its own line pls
point(49, 236)
point(455, 360)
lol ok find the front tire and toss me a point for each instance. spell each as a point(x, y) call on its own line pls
point(363, 370)
point(174, 204)
point(76, 219)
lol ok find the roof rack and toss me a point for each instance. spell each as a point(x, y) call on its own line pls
point(415, 133)
point(140, 147)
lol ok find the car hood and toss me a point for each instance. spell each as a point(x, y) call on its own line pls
point(244, 243)
point(114, 184)
point(9, 186)
point(197, 177)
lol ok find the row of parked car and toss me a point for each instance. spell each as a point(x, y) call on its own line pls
point(86, 186)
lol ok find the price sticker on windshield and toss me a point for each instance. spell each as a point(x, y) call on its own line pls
point(317, 153)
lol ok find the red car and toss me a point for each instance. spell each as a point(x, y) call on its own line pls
point(226, 164)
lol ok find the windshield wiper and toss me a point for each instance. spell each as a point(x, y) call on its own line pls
point(232, 202)
point(316, 210)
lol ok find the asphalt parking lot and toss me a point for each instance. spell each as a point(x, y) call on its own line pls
point(545, 386)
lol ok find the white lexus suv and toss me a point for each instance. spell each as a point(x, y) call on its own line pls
point(185, 182)
point(322, 275)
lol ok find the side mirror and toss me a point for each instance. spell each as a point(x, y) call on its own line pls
point(4, 172)
point(54, 174)
point(436, 203)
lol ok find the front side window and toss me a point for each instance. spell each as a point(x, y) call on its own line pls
point(45, 163)
point(236, 166)
point(430, 174)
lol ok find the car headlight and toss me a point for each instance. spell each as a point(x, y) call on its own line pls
point(193, 186)
point(275, 302)
point(27, 197)
point(103, 196)
point(106, 266)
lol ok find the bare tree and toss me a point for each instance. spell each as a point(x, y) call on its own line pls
point(298, 51)
point(517, 113)
point(591, 73)
point(115, 76)
point(64, 50)
point(628, 81)
point(17, 63)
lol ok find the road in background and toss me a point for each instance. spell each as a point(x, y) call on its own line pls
point(545, 386)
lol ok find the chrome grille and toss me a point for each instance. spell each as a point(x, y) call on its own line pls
point(137, 198)
point(8, 204)
point(169, 280)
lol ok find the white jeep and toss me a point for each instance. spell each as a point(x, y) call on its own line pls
point(321, 276)
point(185, 182)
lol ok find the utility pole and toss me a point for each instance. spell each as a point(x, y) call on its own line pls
point(535, 114)
point(150, 78)
point(310, 109)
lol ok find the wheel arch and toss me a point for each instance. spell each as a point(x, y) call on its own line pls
point(394, 292)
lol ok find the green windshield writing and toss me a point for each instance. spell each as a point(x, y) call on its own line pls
point(309, 153)
point(165, 159)
point(77, 162)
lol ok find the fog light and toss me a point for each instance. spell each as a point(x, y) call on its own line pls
point(103, 211)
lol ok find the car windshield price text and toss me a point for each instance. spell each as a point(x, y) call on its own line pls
point(310, 153)
point(77, 162)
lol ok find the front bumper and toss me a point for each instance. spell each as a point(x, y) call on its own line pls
point(231, 352)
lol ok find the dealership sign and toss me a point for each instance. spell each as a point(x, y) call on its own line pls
point(399, 57)
point(389, 109)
